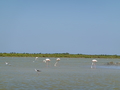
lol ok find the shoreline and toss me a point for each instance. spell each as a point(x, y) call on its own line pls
point(55, 55)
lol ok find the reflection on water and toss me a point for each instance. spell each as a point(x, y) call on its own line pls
point(71, 74)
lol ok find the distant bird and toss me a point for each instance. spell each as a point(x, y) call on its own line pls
point(44, 61)
point(47, 61)
point(94, 60)
point(6, 63)
point(38, 71)
point(57, 60)
point(93, 63)
point(36, 58)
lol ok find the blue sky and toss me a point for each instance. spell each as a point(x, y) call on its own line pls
point(60, 26)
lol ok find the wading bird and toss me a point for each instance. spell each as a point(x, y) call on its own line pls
point(93, 63)
point(7, 63)
point(35, 59)
point(47, 61)
point(57, 60)
point(44, 61)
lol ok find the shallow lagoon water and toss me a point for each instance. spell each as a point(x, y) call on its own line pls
point(70, 74)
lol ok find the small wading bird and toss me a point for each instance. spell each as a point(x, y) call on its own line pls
point(93, 63)
point(7, 63)
point(57, 60)
point(38, 71)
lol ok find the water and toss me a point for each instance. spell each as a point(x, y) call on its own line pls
point(71, 74)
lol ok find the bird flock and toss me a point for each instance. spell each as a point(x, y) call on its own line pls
point(47, 62)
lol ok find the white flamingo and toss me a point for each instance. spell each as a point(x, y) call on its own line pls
point(93, 63)
point(47, 61)
point(35, 59)
point(44, 61)
point(57, 60)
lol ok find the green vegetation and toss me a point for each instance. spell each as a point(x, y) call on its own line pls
point(64, 55)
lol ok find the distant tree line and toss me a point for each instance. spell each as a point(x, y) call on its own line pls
point(64, 55)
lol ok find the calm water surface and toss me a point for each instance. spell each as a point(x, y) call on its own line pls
point(70, 74)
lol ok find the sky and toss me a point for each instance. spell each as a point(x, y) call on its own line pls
point(60, 26)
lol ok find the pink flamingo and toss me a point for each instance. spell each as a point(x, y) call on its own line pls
point(57, 60)
point(93, 63)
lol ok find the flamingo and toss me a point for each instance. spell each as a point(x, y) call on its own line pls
point(35, 59)
point(47, 61)
point(44, 61)
point(57, 60)
point(93, 63)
